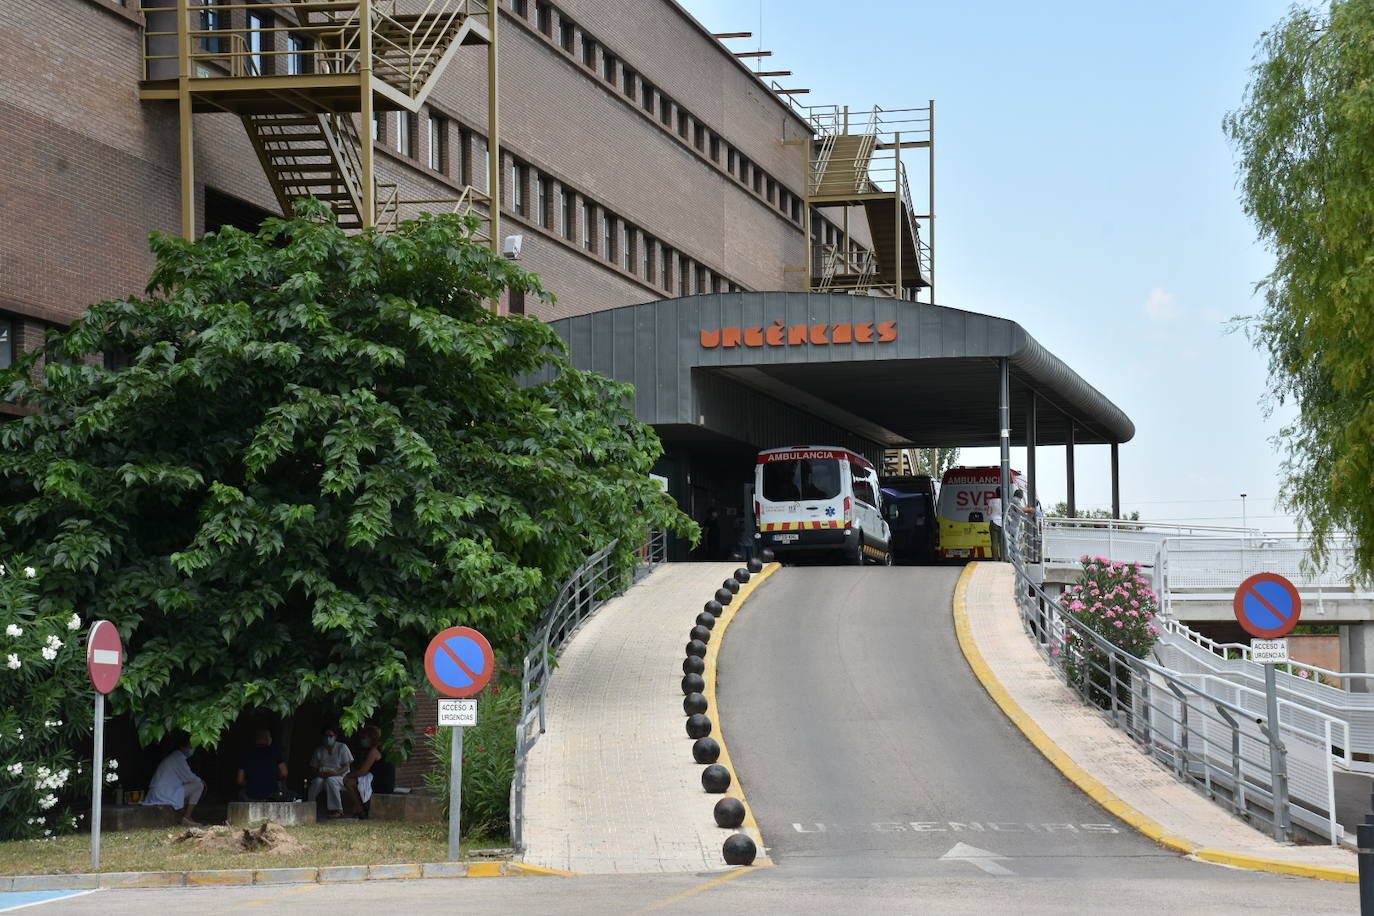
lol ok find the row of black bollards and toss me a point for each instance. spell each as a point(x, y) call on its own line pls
point(729, 812)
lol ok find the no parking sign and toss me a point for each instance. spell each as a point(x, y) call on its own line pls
point(459, 663)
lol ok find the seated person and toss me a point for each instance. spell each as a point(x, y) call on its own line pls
point(262, 772)
point(358, 783)
point(175, 784)
point(330, 762)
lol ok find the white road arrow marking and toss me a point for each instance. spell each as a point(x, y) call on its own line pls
point(981, 858)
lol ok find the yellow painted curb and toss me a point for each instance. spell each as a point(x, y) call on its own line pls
point(1259, 863)
point(750, 825)
point(520, 868)
point(1090, 786)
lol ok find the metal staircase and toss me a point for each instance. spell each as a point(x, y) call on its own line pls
point(303, 76)
point(856, 163)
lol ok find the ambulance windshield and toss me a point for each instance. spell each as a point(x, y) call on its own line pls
point(801, 479)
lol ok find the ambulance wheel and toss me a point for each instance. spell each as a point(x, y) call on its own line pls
point(887, 558)
point(857, 557)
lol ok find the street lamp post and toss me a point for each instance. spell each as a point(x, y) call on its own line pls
point(1244, 536)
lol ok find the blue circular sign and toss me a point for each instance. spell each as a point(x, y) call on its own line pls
point(459, 662)
point(1267, 605)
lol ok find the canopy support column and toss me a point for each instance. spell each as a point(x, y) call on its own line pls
point(1116, 480)
point(1032, 434)
point(1068, 465)
point(1004, 426)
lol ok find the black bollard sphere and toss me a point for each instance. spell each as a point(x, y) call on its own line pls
point(693, 664)
point(742, 575)
point(713, 608)
point(715, 779)
point(696, 647)
point(698, 726)
point(738, 849)
point(724, 595)
point(693, 683)
point(706, 620)
point(755, 565)
point(729, 812)
point(705, 750)
point(767, 555)
point(701, 633)
point(732, 585)
point(693, 703)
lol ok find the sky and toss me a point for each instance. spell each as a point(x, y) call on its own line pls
point(1085, 190)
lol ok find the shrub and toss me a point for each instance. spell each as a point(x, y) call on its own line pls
point(1115, 601)
point(488, 761)
point(45, 711)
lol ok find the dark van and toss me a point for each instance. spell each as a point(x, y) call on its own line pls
point(909, 503)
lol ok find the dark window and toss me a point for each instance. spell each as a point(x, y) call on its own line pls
point(543, 18)
point(684, 276)
point(772, 190)
point(796, 210)
point(403, 133)
point(608, 66)
point(211, 21)
point(758, 180)
point(804, 479)
point(438, 132)
point(520, 176)
point(588, 50)
point(715, 148)
point(6, 341)
point(648, 259)
point(587, 227)
point(629, 82)
point(648, 96)
point(730, 162)
point(565, 213)
point(516, 302)
point(116, 359)
point(541, 200)
point(863, 492)
point(259, 40)
point(520, 8)
point(665, 109)
point(631, 261)
point(608, 247)
point(299, 60)
point(567, 34)
point(683, 121)
point(744, 170)
point(698, 135)
point(666, 276)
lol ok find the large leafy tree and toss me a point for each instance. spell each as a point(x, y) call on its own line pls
point(320, 450)
point(1305, 137)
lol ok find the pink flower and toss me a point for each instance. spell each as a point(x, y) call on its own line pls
point(1054, 652)
point(1117, 624)
point(1076, 605)
point(1304, 675)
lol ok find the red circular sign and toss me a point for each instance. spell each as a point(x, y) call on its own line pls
point(459, 662)
point(104, 656)
point(1267, 605)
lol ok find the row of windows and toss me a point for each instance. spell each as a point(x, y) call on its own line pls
point(265, 55)
point(608, 235)
point(672, 116)
point(443, 137)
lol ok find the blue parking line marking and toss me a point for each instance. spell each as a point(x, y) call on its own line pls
point(17, 900)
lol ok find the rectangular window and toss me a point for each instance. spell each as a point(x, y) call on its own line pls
point(377, 128)
point(698, 135)
point(608, 247)
point(648, 96)
point(211, 21)
point(631, 87)
point(299, 60)
point(516, 302)
point(666, 275)
point(520, 176)
point(403, 133)
point(6, 341)
point(631, 261)
point(257, 41)
point(520, 8)
point(715, 148)
point(565, 213)
point(541, 200)
point(758, 180)
point(543, 18)
point(730, 162)
point(482, 167)
point(648, 259)
point(665, 110)
point(715, 283)
point(608, 66)
point(588, 50)
point(567, 34)
point(772, 190)
point(702, 283)
point(796, 210)
point(684, 276)
point(438, 132)
point(586, 226)
point(743, 170)
point(683, 121)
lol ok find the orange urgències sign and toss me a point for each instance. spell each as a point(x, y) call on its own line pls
point(780, 335)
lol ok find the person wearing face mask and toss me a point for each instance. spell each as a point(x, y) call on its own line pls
point(358, 783)
point(330, 761)
point(175, 784)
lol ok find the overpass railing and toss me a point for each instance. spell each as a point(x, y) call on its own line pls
point(594, 583)
point(1067, 539)
point(1198, 727)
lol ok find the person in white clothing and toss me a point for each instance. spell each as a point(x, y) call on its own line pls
point(175, 784)
point(995, 524)
point(330, 761)
point(358, 783)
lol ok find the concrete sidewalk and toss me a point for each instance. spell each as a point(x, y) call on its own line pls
point(612, 786)
point(1101, 759)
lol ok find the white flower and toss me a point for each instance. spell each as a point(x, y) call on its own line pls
point(54, 642)
point(2, 570)
point(16, 769)
point(14, 629)
point(47, 801)
point(13, 662)
point(112, 765)
point(30, 572)
point(52, 724)
point(49, 653)
point(75, 622)
point(112, 777)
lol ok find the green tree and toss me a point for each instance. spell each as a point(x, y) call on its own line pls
point(323, 448)
point(934, 461)
point(1305, 139)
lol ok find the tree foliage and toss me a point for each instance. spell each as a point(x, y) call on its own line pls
point(323, 449)
point(933, 461)
point(1305, 138)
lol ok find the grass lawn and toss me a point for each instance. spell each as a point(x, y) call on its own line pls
point(345, 842)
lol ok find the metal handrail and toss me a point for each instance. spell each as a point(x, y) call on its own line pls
point(1171, 719)
point(593, 584)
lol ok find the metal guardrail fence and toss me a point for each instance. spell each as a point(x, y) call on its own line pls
point(1198, 730)
point(582, 595)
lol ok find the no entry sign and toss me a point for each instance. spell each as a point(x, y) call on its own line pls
point(1267, 605)
point(459, 662)
point(104, 656)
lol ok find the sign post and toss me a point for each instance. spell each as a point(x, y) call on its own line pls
point(459, 663)
point(1268, 607)
point(104, 663)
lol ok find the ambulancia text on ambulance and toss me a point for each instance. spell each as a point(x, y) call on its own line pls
point(819, 501)
point(964, 507)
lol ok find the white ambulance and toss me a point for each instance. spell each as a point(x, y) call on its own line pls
point(819, 502)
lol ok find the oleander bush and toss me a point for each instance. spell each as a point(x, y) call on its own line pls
point(1115, 601)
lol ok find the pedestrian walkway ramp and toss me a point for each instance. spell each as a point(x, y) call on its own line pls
point(611, 786)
